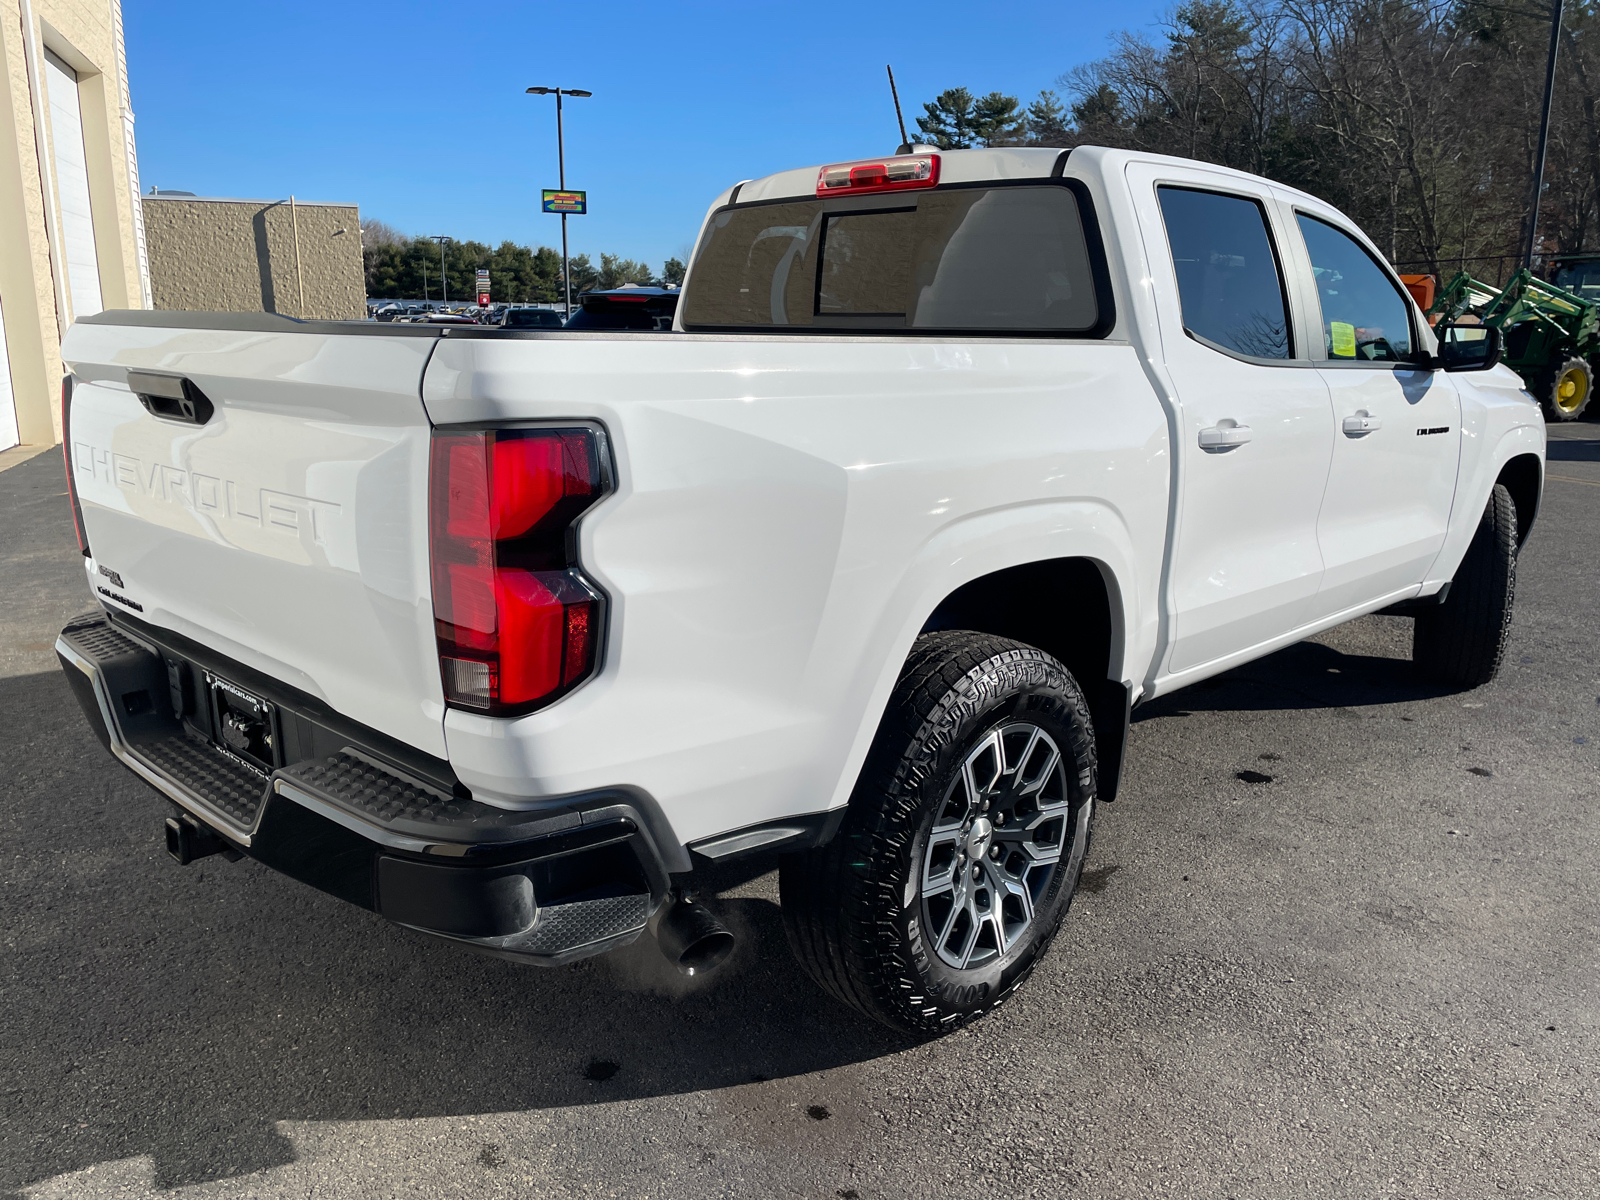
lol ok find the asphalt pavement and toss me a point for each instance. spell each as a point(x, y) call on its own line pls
point(1338, 938)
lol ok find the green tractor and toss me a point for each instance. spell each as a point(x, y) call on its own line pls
point(1552, 334)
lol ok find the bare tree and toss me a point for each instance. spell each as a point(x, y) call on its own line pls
point(376, 233)
point(1418, 117)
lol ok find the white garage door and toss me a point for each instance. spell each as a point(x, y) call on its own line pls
point(72, 187)
point(8, 399)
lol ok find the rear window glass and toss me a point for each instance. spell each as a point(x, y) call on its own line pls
point(599, 313)
point(980, 259)
point(533, 318)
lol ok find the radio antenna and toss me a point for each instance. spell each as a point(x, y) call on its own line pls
point(905, 142)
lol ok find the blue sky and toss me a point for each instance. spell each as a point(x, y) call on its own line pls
point(416, 111)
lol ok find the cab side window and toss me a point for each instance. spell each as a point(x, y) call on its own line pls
point(1228, 277)
point(1364, 317)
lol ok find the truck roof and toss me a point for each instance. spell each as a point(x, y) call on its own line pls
point(991, 164)
point(955, 166)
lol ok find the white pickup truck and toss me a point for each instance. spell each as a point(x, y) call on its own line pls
point(951, 459)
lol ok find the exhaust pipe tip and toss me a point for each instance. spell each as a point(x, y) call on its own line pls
point(691, 937)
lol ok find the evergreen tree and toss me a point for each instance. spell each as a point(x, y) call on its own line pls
point(997, 120)
point(584, 276)
point(957, 120)
point(1047, 122)
point(1098, 116)
point(616, 271)
point(948, 123)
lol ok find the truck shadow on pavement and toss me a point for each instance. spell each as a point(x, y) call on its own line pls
point(1307, 675)
point(183, 1012)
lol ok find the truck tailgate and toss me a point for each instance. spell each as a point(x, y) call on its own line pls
point(289, 530)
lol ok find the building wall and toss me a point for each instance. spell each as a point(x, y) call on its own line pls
point(301, 260)
point(34, 294)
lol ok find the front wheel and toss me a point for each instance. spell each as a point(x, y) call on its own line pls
point(964, 840)
point(1463, 640)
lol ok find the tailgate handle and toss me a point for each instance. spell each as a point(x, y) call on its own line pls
point(171, 397)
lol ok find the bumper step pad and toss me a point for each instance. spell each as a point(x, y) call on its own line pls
point(370, 791)
point(234, 791)
point(101, 642)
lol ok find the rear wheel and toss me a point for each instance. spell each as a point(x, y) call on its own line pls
point(1463, 640)
point(964, 840)
point(1565, 392)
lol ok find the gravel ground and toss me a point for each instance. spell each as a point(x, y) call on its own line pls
point(1371, 974)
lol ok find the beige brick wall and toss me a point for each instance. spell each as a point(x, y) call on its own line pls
point(84, 34)
point(255, 256)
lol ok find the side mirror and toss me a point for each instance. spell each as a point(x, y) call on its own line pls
point(1470, 347)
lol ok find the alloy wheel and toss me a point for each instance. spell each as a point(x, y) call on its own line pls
point(995, 845)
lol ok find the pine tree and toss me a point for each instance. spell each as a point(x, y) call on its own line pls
point(997, 121)
point(948, 124)
point(1047, 122)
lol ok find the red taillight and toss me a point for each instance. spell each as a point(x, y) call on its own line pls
point(517, 623)
point(66, 453)
point(879, 175)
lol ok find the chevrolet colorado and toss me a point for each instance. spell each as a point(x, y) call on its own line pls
point(950, 459)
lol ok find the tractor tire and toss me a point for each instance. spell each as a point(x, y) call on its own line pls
point(1461, 642)
point(1564, 392)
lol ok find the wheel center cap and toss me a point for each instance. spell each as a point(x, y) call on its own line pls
point(978, 838)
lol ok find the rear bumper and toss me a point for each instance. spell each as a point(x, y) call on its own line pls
point(573, 878)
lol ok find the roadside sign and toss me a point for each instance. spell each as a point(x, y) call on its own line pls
point(566, 202)
point(483, 289)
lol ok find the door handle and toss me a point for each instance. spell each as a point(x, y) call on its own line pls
point(1359, 423)
point(1224, 436)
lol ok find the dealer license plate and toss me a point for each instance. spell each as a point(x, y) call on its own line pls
point(245, 725)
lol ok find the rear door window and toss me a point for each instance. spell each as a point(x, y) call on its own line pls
point(995, 260)
point(1228, 278)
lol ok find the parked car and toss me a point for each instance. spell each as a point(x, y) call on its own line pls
point(531, 318)
point(954, 459)
point(637, 308)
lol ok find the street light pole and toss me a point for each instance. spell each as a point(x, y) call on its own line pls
point(561, 168)
point(561, 171)
point(444, 276)
point(1544, 133)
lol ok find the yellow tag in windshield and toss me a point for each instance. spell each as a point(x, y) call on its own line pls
point(1344, 339)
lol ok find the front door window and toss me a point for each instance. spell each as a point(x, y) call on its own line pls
point(1364, 319)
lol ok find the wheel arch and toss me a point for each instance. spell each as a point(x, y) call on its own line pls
point(1498, 451)
point(1523, 476)
point(965, 568)
point(1071, 608)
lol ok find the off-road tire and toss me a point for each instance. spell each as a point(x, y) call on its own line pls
point(855, 910)
point(1462, 642)
point(1565, 392)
